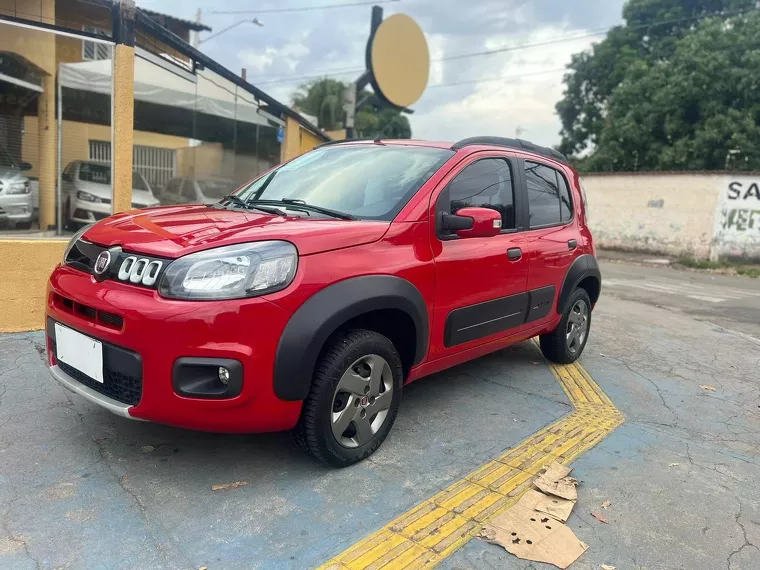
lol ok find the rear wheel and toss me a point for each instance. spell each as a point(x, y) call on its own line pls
point(354, 398)
point(566, 343)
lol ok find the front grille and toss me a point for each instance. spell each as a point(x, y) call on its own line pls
point(110, 319)
point(122, 372)
point(83, 255)
point(87, 313)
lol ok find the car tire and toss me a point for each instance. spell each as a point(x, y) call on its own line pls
point(565, 344)
point(68, 225)
point(353, 399)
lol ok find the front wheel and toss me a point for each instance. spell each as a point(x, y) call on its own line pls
point(566, 343)
point(354, 398)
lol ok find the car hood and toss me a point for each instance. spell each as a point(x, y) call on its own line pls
point(174, 231)
point(10, 175)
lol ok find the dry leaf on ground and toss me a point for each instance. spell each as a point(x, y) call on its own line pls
point(606, 504)
point(673, 464)
point(706, 387)
point(234, 485)
point(608, 567)
point(147, 448)
point(600, 518)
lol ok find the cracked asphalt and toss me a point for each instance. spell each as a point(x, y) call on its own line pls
point(81, 488)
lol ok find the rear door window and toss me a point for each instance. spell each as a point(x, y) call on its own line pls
point(549, 201)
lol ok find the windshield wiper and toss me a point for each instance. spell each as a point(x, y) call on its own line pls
point(248, 205)
point(304, 206)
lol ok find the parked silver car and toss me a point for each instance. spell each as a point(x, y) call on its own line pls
point(15, 192)
point(87, 192)
point(187, 190)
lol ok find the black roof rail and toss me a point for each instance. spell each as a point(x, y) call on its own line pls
point(518, 144)
point(332, 142)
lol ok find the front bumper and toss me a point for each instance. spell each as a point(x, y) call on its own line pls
point(16, 208)
point(85, 212)
point(162, 332)
point(118, 408)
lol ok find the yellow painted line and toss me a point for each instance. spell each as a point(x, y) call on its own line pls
point(434, 529)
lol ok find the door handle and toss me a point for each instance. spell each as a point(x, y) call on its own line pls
point(572, 244)
point(514, 253)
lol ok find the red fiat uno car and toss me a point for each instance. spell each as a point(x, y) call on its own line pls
point(310, 296)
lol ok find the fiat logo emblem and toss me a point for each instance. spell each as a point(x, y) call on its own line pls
point(364, 401)
point(102, 262)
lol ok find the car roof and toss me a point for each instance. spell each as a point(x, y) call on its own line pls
point(471, 144)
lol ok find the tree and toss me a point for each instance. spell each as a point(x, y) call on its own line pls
point(698, 110)
point(323, 98)
point(650, 35)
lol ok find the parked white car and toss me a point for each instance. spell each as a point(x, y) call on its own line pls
point(15, 192)
point(187, 190)
point(87, 192)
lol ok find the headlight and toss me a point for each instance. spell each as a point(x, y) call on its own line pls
point(18, 188)
point(87, 197)
point(74, 239)
point(231, 272)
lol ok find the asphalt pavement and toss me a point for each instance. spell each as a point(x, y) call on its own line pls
point(81, 488)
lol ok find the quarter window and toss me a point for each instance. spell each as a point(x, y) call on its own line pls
point(549, 200)
point(486, 183)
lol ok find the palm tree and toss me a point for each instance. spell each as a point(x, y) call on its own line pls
point(322, 98)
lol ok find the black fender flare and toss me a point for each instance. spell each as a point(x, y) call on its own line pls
point(584, 266)
point(323, 313)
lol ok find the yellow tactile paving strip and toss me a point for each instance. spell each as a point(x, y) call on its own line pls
point(434, 529)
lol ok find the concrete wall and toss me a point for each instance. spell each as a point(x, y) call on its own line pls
point(297, 140)
point(27, 265)
point(661, 213)
point(698, 214)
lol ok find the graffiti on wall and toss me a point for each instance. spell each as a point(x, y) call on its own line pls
point(738, 223)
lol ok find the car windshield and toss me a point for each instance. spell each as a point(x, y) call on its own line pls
point(138, 182)
point(98, 173)
point(101, 174)
point(366, 181)
point(212, 188)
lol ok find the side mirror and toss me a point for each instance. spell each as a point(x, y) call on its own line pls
point(485, 222)
point(23, 166)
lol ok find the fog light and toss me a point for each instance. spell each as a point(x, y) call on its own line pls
point(224, 375)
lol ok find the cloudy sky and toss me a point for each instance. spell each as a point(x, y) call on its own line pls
point(498, 94)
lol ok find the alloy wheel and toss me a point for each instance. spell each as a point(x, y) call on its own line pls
point(577, 326)
point(362, 400)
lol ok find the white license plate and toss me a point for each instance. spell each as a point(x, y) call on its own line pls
point(79, 351)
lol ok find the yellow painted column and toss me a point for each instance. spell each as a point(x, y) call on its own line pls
point(291, 146)
point(123, 125)
point(47, 139)
point(47, 131)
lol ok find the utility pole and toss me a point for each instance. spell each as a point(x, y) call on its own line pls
point(350, 104)
point(197, 34)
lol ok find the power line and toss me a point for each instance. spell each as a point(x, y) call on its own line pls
point(515, 47)
point(500, 78)
point(304, 8)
